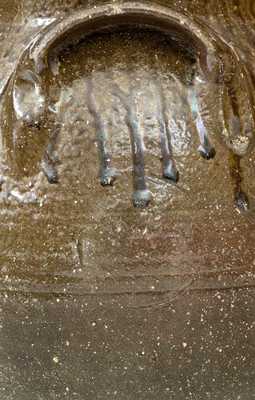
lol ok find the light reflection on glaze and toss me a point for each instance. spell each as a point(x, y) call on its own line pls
point(28, 126)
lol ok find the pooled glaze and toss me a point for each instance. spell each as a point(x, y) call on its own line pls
point(28, 127)
point(101, 300)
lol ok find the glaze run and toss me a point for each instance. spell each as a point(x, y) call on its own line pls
point(28, 126)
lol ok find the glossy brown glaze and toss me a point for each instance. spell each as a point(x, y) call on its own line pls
point(28, 126)
point(101, 300)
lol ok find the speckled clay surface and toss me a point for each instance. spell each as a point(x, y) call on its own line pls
point(100, 299)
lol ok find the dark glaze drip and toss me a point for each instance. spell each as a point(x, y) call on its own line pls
point(26, 100)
